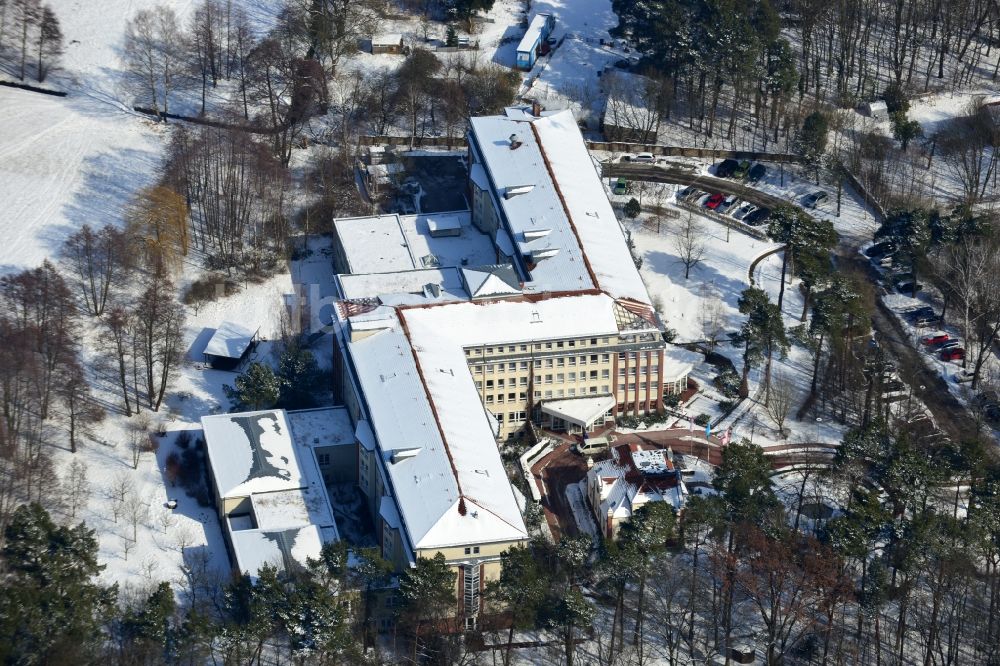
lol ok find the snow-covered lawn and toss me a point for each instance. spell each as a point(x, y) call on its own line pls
point(66, 162)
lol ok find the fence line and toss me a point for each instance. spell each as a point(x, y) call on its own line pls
point(31, 88)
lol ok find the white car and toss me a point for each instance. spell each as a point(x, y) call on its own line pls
point(728, 204)
point(744, 210)
point(644, 158)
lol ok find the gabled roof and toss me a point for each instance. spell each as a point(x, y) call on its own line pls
point(489, 281)
point(564, 228)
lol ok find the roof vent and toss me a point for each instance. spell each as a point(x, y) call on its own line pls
point(432, 290)
point(535, 234)
point(544, 254)
point(514, 190)
point(404, 454)
point(515, 143)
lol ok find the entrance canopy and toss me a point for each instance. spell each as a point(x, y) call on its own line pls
point(580, 411)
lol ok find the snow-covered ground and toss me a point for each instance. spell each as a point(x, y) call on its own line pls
point(66, 162)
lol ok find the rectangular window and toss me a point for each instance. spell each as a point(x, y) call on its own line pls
point(489, 368)
point(606, 388)
point(604, 340)
point(489, 383)
point(524, 347)
point(538, 394)
point(323, 458)
point(621, 356)
point(548, 379)
point(523, 365)
point(548, 345)
point(572, 360)
point(593, 358)
point(572, 393)
point(511, 367)
point(500, 398)
point(489, 400)
point(572, 376)
point(593, 342)
point(559, 393)
point(548, 394)
point(621, 372)
point(605, 374)
point(510, 348)
point(605, 358)
point(489, 350)
point(548, 363)
point(511, 397)
point(523, 395)
point(583, 360)
point(499, 383)
point(523, 381)
point(621, 387)
point(559, 344)
point(560, 378)
point(572, 343)
point(500, 417)
point(538, 363)
point(593, 389)
point(479, 386)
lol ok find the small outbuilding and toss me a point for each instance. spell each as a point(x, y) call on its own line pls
point(230, 345)
point(534, 41)
point(876, 109)
point(387, 43)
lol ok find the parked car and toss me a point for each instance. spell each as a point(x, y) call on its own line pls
point(880, 249)
point(953, 354)
point(941, 346)
point(924, 322)
point(757, 217)
point(815, 199)
point(963, 376)
point(684, 192)
point(713, 201)
point(725, 168)
point(935, 337)
point(727, 204)
point(757, 173)
point(742, 171)
point(919, 312)
point(694, 195)
point(621, 186)
point(908, 288)
point(644, 158)
point(744, 210)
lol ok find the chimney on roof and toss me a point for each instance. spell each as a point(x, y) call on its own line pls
point(514, 142)
point(461, 506)
point(536, 109)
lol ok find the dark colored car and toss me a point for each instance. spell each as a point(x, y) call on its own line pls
point(814, 199)
point(726, 168)
point(880, 249)
point(920, 313)
point(757, 173)
point(757, 217)
point(953, 354)
point(908, 288)
point(714, 201)
point(742, 170)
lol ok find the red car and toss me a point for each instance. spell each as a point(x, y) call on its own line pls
point(953, 354)
point(934, 338)
point(714, 201)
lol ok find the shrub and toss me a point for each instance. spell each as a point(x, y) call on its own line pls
point(207, 289)
point(671, 400)
point(728, 383)
point(632, 208)
point(727, 405)
point(702, 419)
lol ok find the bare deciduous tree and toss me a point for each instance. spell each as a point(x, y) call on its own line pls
point(779, 398)
point(688, 243)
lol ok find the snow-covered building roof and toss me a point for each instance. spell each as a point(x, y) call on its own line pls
point(426, 285)
point(392, 243)
point(554, 205)
point(634, 475)
point(267, 456)
point(580, 411)
point(387, 39)
point(230, 340)
point(679, 362)
point(251, 452)
point(442, 462)
point(535, 30)
point(491, 281)
point(286, 549)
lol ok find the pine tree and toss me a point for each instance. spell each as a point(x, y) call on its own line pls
point(51, 609)
point(50, 42)
point(257, 388)
point(811, 140)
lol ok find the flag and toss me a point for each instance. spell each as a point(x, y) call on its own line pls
point(690, 423)
point(708, 429)
point(726, 438)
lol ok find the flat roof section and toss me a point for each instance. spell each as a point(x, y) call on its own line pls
point(251, 452)
point(535, 29)
point(395, 243)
